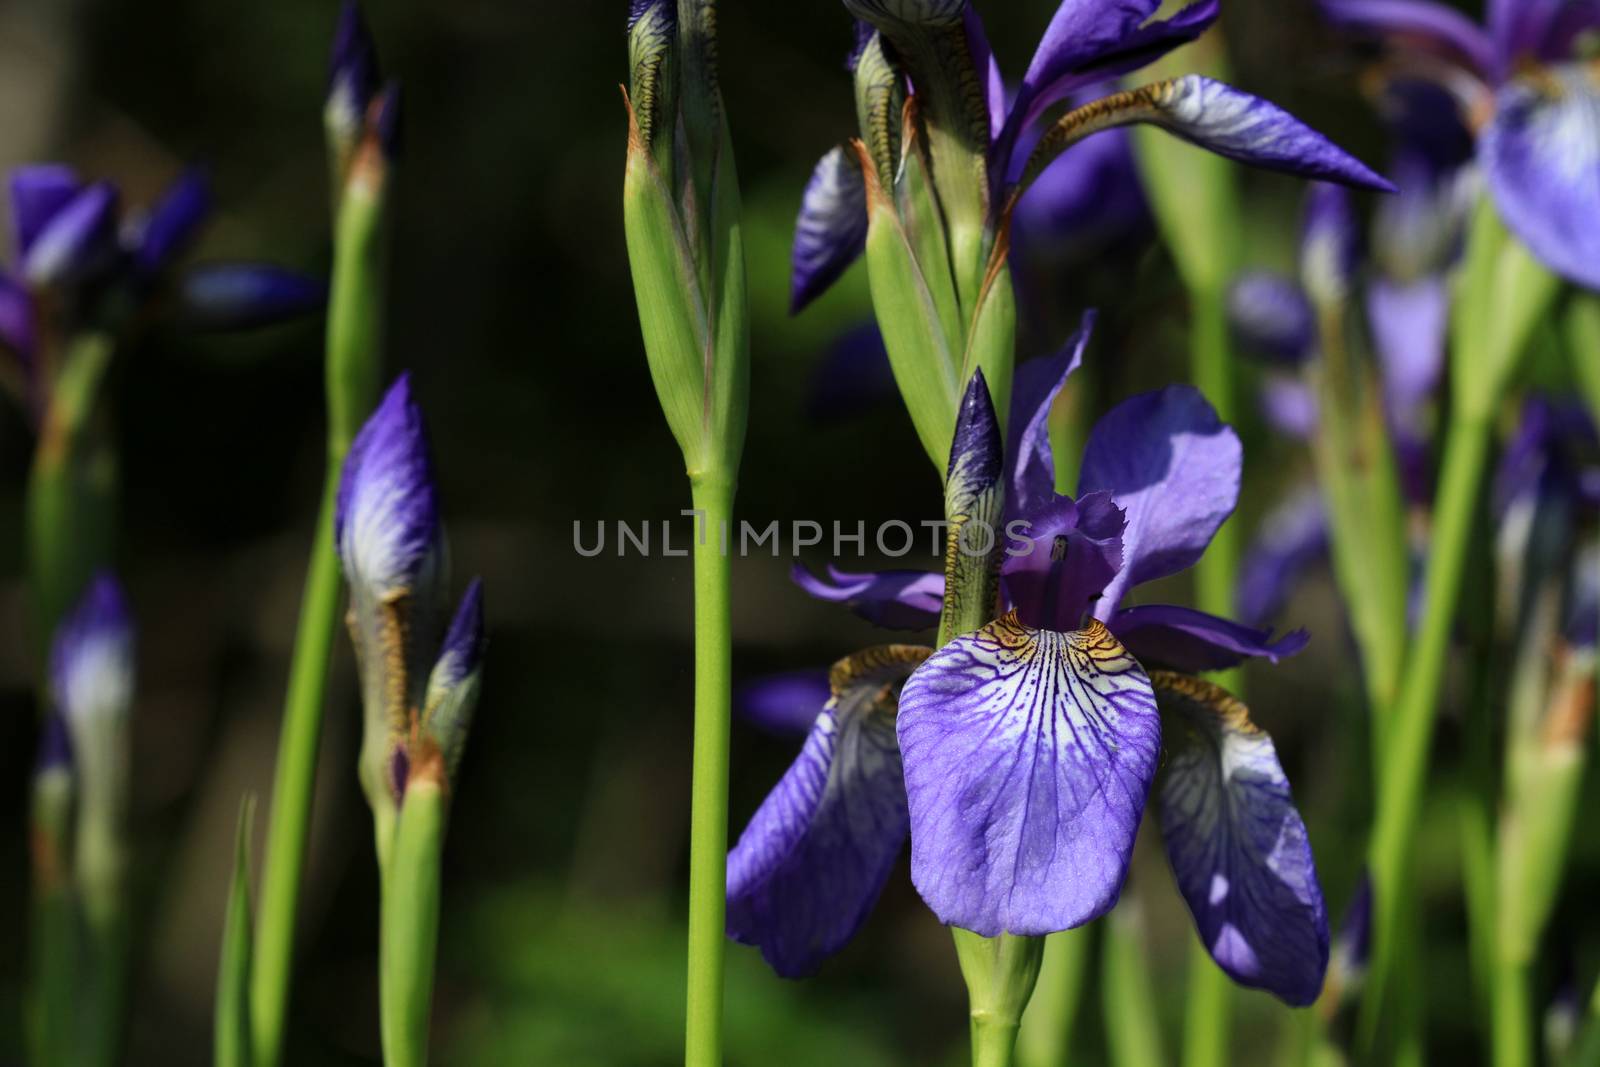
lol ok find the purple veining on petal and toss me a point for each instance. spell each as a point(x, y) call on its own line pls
point(386, 521)
point(1237, 846)
point(37, 192)
point(1271, 317)
point(1541, 152)
point(1426, 24)
point(173, 223)
point(1076, 549)
point(1174, 468)
point(77, 240)
point(1183, 639)
point(808, 868)
point(243, 296)
point(830, 232)
point(1291, 539)
point(1028, 759)
point(895, 600)
point(785, 704)
point(1031, 477)
point(91, 656)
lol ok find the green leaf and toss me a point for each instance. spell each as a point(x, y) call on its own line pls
point(231, 1027)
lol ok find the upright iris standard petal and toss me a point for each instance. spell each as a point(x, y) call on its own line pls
point(1028, 757)
point(1031, 475)
point(1184, 639)
point(1237, 845)
point(784, 704)
point(812, 861)
point(77, 240)
point(173, 222)
point(1271, 317)
point(452, 693)
point(1218, 118)
point(1292, 538)
point(1424, 24)
point(831, 231)
point(1174, 468)
point(241, 296)
point(386, 521)
point(1541, 152)
point(1076, 549)
point(895, 600)
point(37, 193)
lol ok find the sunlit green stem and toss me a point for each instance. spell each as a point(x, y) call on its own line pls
point(1045, 1039)
point(1208, 1011)
point(1132, 1037)
point(1000, 973)
point(230, 1033)
point(410, 924)
point(1513, 1015)
point(708, 821)
point(354, 342)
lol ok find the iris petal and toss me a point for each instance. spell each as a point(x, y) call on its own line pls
point(1292, 538)
point(1434, 26)
point(1031, 479)
point(831, 230)
point(1541, 152)
point(1271, 317)
point(1190, 640)
point(1237, 845)
point(1076, 551)
point(1028, 757)
point(37, 193)
point(1173, 467)
point(815, 856)
point(784, 704)
point(895, 600)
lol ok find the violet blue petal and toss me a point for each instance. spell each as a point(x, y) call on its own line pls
point(173, 223)
point(830, 232)
point(386, 519)
point(1538, 30)
point(1541, 152)
point(1289, 406)
point(1292, 539)
point(1409, 323)
point(1075, 549)
point(1271, 317)
point(814, 857)
point(1174, 468)
point(1183, 639)
point(1028, 759)
point(37, 192)
point(895, 600)
point(994, 86)
point(1031, 475)
point(1329, 244)
point(353, 76)
point(16, 320)
point(79, 238)
point(1086, 201)
point(1237, 846)
point(244, 296)
point(1435, 27)
point(55, 745)
point(785, 704)
point(1355, 934)
point(91, 659)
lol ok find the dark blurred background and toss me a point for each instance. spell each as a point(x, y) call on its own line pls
point(562, 938)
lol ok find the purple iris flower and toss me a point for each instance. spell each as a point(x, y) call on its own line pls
point(1087, 43)
point(92, 682)
point(1532, 98)
point(1027, 749)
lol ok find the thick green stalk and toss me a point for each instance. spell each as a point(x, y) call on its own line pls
point(1513, 1016)
point(354, 341)
point(1000, 973)
point(1132, 1037)
point(1045, 1039)
point(410, 923)
point(708, 820)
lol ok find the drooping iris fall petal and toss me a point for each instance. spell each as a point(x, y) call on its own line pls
point(1028, 759)
point(812, 861)
point(1237, 846)
point(1185, 639)
point(895, 600)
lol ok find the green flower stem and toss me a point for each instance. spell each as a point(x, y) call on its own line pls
point(67, 534)
point(1000, 973)
point(54, 946)
point(101, 873)
point(410, 923)
point(231, 1022)
point(1045, 1039)
point(1513, 1015)
point(708, 819)
point(1132, 1037)
point(1208, 1011)
point(354, 341)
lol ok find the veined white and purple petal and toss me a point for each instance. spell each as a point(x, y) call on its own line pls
point(77, 240)
point(1028, 759)
point(1292, 539)
point(1174, 468)
point(1541, 152)
point(785, 704)
point(1183, 639)
point(386, 519)
point(1076, 549)
point(91, 658)
point(1424, 24)
point(1031, 475)
point(163, 235)
point(1271, 317)
point(1237, 846)
point(37, 192)
point(243, 296)
point(814, 857)
point(830, 232)
point(895, 600)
